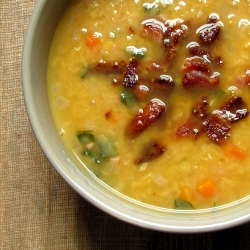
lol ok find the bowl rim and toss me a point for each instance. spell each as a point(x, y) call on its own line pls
point(36, 16)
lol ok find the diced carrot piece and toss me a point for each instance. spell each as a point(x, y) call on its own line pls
point(207, 188)
point(187, 194)
point(234, 152)
point(93, 40)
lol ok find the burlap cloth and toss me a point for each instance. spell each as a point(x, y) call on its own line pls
point(38, 210)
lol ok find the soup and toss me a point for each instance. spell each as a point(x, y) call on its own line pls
point(153, 97)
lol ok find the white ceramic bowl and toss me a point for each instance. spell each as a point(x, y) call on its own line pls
point(40, 32)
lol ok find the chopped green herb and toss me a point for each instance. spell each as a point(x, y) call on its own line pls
point(93, 153)
point(90, 147)
point(96, 148)
point(152, 8)
point(128, 98)
point(136, 52)
point(107, 146)
point(85, 137)
point(84, 71)
point(218, 93)
point(183, 205)
point(96, 157)
point(156, 6)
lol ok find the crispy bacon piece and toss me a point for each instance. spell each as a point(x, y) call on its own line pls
point(196, 63)
point(141, 91)
point(150, 152)
point(234, 109)
point(201, 110)
point(164, 83)
point(131, 31)
point(216, 128)
point(213, 18)
point(146, 117)
point(109, 67)
point(209, 32)
point(243, 80)
point(188, 129)
point(197, 51)
point(247, 77)
point(108, 114)
point(156, 86)
point(153, 25)
point(153, 29)
point(196, 78)
point(218, 61)
point(174, 33)
point(130, 76)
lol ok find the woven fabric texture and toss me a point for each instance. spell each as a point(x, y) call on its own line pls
point(38, 210)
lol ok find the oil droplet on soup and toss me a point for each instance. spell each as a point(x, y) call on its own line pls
point(153, 97)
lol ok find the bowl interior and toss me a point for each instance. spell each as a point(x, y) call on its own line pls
point(40, 32)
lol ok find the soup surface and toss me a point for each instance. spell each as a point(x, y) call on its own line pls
point(153, 97)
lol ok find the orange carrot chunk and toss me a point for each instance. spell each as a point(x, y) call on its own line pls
point(93, 40)
point(187, 194)
point(207, 188)
point(234, 151)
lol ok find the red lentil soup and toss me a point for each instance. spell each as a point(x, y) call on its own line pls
point(153, 97)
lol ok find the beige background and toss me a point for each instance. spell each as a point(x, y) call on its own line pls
point(38, 210)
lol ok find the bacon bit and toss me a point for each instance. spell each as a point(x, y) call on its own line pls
point(188, 129)
point(234, 109)
point(195, 50)
point(196, 63)
point(152, 31)
point(131, 30)
point(164, 83)
point(109, 67)
point(130, 76)
point(213, 18)
point(115, 81)
point(173, 34)
point(141, 92)
point(196, 78)
point(216, 128)
point(201, 110)
point(209, 33)
point(244, 80)
point(218, 61)
point(150, 152)
point(248, 78)
point(108, 114)
point(146, 117)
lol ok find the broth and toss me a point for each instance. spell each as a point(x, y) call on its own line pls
point(153, 97)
